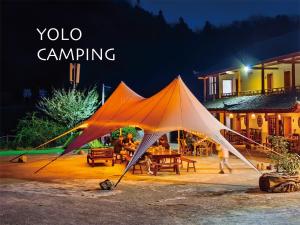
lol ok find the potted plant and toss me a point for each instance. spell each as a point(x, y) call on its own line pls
point(286, 177)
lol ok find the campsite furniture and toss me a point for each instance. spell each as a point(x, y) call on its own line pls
point(163, 160)
point(106, 154)
point(137, 166)
point(129, 150)
point(203, 148)
point(183, 147)
point(174, 107)
point(188, 161)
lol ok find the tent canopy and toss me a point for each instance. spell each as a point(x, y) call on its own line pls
point(172, 108)
point(99, 124)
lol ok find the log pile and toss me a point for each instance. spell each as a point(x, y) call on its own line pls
point(278, 183)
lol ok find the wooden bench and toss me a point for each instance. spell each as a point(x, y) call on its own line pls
point(163, 165)
point(184, 159)
point(106, 154)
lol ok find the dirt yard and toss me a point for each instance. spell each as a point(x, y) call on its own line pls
point(67, 192)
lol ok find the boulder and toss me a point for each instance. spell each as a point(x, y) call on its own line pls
point(81, 152)
point(106, 185)
point(22, 159)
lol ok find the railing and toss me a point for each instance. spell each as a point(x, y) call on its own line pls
point(281, 90)
point(4, 140)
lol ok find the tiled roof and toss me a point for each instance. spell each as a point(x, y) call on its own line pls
point(255, 103)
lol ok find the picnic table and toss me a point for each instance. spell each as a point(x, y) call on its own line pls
point(162, 159)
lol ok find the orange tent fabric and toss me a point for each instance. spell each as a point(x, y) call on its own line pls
point(172, 108)
point(99, 124)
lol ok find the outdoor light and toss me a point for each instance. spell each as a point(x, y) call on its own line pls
point(246, 69)
point(279, 117)
point(253, 116)
point(230, 115)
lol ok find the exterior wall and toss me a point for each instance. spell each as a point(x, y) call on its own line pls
point(294, 117)
point(264, 127)
point(222, 119)
point(251, 81)
point(297, 74)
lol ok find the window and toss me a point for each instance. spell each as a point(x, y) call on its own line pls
point(212, 85)
point(227, 86)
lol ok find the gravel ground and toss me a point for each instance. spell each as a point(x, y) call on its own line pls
point(81, 202)
point(67, 192)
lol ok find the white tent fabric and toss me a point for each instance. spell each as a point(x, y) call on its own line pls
point(172, 108)
point(177, 108)
point(147, 141)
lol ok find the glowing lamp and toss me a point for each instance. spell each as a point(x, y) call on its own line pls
point(279, 117)
point(230, 115)
point(253, 116)
point(229, 72)
point(246, 69)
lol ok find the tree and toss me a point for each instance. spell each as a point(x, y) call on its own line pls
point(70, 107)
point(33, 130)
point(285, 162)
point(125, 132)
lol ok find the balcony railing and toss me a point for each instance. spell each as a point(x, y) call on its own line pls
point(281, 90)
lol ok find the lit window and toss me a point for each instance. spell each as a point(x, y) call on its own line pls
point(212, 85)
point(227, 86)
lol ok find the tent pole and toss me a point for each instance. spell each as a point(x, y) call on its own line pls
point(178, 140)
point(64, 134)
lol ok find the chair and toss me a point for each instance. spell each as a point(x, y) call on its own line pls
point(183, 147)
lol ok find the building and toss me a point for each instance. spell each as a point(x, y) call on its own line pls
point(257, 100)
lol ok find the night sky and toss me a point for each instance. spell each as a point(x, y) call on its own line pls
point(149, 51)
point(196, 12)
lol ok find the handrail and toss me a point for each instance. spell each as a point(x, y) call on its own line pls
point(280, 90)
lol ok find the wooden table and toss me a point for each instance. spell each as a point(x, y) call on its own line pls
point(160, 157)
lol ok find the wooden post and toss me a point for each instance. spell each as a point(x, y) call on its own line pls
point(217, 87)
point(247, 125)
point(262, 79)
point(276, 124)
point(293, 76)
point(178, 140)
point(204, 89)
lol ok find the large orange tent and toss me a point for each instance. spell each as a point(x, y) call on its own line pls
point(173, 108)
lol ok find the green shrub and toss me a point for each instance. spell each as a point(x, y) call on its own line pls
point(70, 107)
point(33, 131)
point(285, 162)
point(95, 144)
point(125, 131)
